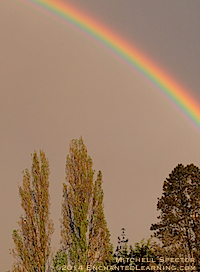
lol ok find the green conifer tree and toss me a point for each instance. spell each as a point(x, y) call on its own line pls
point(179, 221)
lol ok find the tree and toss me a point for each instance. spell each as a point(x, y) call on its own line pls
point(84, 232)
point(60, 261)
point(179, 226)
point(130, 258)
point(32, 240)
point(144, 250)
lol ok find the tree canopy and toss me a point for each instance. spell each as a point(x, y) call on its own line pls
point(179, 221)
point(32, 240)
point(85, 238)
point(131, 258)
point(84, 232)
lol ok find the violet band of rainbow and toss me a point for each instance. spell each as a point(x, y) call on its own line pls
point(167, 86)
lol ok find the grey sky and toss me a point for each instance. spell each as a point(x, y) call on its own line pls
point(57, 85)
point(168, 31)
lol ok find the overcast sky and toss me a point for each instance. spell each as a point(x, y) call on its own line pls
point(56, 85)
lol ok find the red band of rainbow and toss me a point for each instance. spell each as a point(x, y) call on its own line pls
point(179, 96)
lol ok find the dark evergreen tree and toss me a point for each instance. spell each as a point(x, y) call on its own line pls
point(179, 221)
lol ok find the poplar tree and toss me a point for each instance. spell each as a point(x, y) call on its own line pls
point(179, 221)
point(84, 232)
point(32, 239)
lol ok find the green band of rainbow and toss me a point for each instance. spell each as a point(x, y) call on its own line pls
point(179, 96)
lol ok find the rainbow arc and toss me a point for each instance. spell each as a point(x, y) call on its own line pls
point(174, 92)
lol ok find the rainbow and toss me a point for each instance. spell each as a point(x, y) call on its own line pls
point(168, 87)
